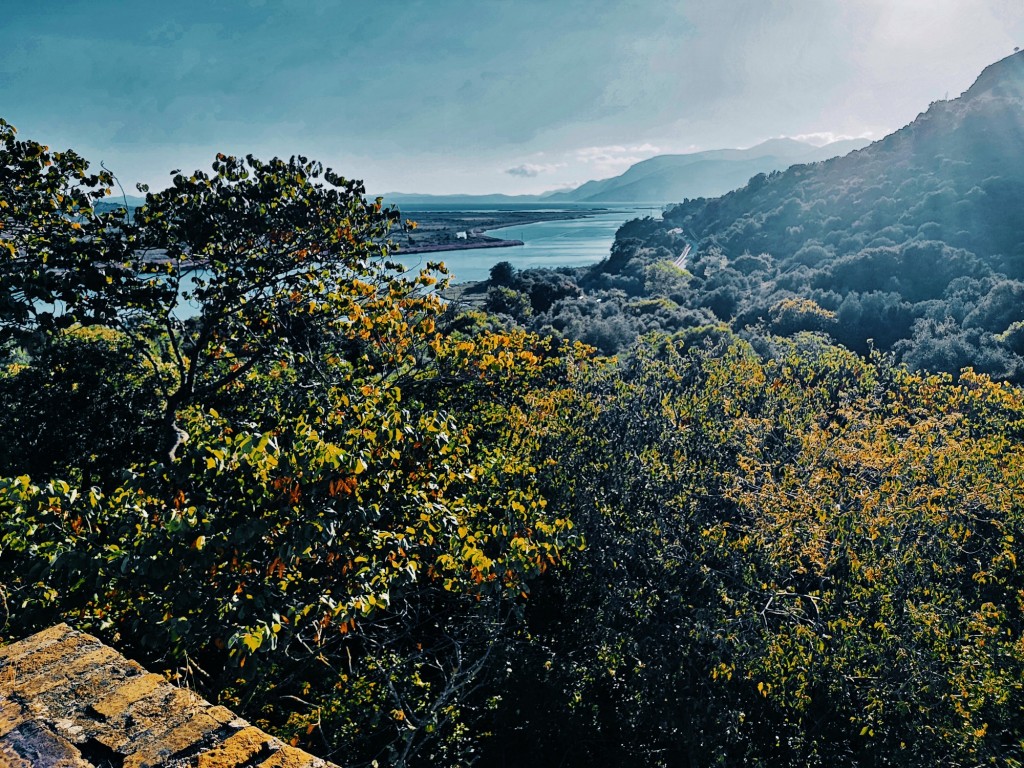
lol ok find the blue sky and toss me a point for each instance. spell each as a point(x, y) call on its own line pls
point(515, 96)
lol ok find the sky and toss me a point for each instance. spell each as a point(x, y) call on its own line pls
point(477, 96)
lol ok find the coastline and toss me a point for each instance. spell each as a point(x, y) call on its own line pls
point(450, 231)
point(439, 231)
point(483, 241)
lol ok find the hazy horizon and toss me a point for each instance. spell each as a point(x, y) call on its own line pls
point(449, 96)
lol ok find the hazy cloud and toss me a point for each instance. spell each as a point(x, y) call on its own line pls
point(532, 170)
point(465, 97)
point(821, 138)
point(613, 158)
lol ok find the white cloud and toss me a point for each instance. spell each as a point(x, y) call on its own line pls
point(821, 138)
point(532, 170)
point(565, 186)
point(615, 157)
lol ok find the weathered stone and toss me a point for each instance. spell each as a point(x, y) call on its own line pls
point(115, 703)
point(68, 701)
point(237, 750)
point(38, 746)
point(63, 675)
point(15, 651)
point(225, 716)
point(41, 659)
point(12, 714)
point(290, 757)
point(189, 736)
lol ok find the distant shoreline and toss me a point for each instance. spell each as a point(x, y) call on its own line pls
point(466, 245)
point(439, 231)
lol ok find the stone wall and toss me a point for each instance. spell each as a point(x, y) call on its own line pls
point(68, 701)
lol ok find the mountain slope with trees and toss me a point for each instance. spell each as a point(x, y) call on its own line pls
point(913, 245)
point(915, 242)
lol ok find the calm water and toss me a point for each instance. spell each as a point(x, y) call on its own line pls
point(572, 243)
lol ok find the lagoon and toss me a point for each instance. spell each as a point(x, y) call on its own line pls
point(565, 243)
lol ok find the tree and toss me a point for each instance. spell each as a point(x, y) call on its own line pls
point(796, 559)
point(59, 257)
point(345, 575)
point(503, 274)
point(84, 407)
point(261, 264)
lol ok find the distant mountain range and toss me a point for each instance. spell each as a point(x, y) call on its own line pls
point(668, 178)
point(657, 180)
point(912, 246)
point(671, 178)
point(131, 202)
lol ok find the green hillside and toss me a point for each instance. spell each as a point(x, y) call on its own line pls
point(913, 245)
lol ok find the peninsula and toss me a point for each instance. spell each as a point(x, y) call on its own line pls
point(455, 230)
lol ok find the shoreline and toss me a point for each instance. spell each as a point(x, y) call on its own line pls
point(439, 231)
point(489, 242)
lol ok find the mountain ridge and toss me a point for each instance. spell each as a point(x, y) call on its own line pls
point(912, 247)
point(702, 174)
point(720, 170)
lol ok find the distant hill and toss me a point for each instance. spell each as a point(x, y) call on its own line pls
point(127, 201)
point(665, 178)
point(955, 174)
point(670, 178)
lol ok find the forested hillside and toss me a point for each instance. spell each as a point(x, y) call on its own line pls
point(244, 445)
point(912, 245)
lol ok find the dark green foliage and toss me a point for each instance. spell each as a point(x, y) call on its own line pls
point(60, 257)
point(338, 520)
point(503, 274)
point(802, 559)
point(901, 222)
point(85, 402)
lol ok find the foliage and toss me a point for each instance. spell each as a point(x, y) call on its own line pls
point(370, 543)
point(802, 560)
point(86, 404)
point(913, 242)
point(58, 255)
point(346, 535)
